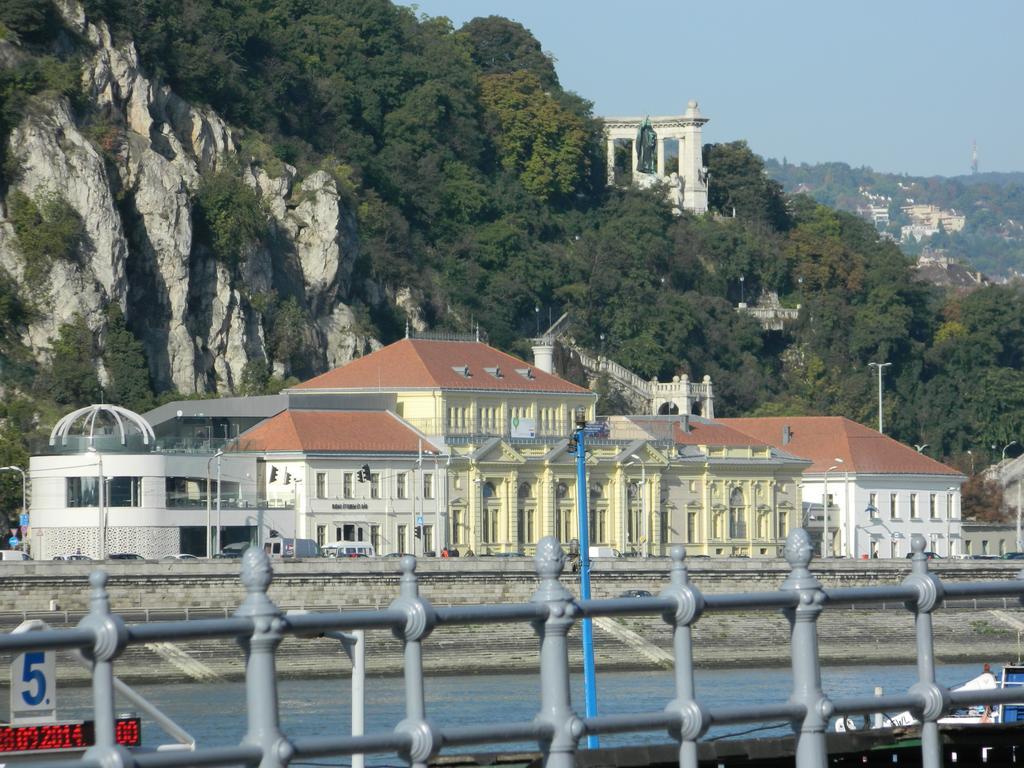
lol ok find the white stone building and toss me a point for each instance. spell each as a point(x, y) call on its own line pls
point(880, 492)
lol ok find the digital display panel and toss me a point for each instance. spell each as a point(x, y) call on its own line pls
point(76, 735)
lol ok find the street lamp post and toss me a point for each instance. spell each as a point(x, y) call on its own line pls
point(880, 367)
point(644, 527)
point(589, 677)
point(825, 506)
point(971, 454)
point(743, 295)
point(101, 525)
point(24, 494)
point(209, 505)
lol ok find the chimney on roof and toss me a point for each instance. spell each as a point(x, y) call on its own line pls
point(787, 434)
point(684, 422)
point(544, 355)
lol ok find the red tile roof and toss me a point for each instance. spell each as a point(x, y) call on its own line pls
point(431, 364)
point(823, 439)
point(333, 431)
point(702, 432)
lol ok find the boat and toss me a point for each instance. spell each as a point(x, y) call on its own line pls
point(1012, 676)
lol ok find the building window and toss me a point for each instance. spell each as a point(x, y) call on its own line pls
point(375, 485)
point(764, 525)
point(691, 527)
point(597, 525)
point(737, 515)
point(456, 526)
point(527, 531)
point(489, 526)
point(321, 485)
point(403, 539)
point(82, 491)
point(428, 485)
point(346, 485)
point(428, 538)
point(933, 506)
point(782, 529)
point(984, 547)
point(718, 525)
point(692, 485)
point(873, 505)
point(894, 513)
point(122, 491)
point(915, 513)
point(949, 506)
point(321, 535)
point(117, 492)
point(375, 538)
point(402, 479)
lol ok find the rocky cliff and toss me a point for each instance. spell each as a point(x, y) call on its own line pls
point(134, 191)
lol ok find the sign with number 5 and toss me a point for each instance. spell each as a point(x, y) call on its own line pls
point(34, 685)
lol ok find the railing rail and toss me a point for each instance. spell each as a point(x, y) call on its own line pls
point(259, 626)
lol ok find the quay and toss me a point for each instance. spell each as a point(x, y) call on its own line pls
point(260, 627)
point(966, 630)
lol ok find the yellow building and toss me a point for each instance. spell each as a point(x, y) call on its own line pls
point(503, 426)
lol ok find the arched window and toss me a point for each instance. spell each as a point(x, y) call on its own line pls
point(561, 490)
point(596, 490)
point(737, 515)
point(525, 491)
point(488, 489)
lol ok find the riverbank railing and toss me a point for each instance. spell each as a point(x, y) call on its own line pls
point(259, 626)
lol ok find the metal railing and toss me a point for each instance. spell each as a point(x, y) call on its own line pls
point(259, 626)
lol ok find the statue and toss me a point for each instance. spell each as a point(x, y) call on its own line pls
point(675, 193)
point(646, 145)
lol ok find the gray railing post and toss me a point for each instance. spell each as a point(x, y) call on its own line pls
point(555, 702)
point(934, 698)
point(109, 639)
point(689, 604)
point(811, 751)
point(260, 673)
point(419, 621)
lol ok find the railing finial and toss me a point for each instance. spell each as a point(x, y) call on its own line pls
point(549, 562)
point(257, 574)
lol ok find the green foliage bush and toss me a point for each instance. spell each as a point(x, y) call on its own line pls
point(125, 361)
point(229, 216)
point(47, 229)
point(71, 378)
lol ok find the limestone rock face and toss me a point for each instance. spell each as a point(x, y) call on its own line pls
point(200, 321)
point(57, 160)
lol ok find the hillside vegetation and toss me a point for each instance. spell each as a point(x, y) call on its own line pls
point(993, 203)
point(477, 181)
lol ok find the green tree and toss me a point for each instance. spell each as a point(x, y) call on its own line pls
point(47, 230)
point(536, 137)
point(71, 377)
point(125, 361)
point(229, 216)
point(738, 183)
point(500, 46)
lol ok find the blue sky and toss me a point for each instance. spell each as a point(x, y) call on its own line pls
point(899, 86)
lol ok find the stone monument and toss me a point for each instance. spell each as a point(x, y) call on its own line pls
point(647, 135)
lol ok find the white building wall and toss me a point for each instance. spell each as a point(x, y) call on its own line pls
point(856, 530)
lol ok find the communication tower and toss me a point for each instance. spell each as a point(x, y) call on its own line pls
point(974, 156)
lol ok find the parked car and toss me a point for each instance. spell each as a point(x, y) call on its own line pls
point(13, 554)
point(929, 555)
point(233, 550)
point(180, 556)
point(636, 593)
point(1013, 556)
point(73, 556)
point(126, 556)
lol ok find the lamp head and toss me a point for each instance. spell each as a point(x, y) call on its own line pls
point(580, 415)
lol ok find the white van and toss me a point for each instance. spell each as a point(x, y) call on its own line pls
point(281, 547)
point(13, 554)
point(348, 549)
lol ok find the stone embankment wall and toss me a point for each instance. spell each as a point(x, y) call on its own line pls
point(160, 591)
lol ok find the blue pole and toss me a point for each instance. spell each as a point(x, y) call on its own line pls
point(589, 682)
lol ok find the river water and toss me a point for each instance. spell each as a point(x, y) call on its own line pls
point(215, 713)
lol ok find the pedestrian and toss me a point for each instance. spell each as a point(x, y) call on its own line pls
point(444, 553)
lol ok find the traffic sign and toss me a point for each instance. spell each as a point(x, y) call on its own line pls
point(13, 541)
point(23, 519)
point(419, 519)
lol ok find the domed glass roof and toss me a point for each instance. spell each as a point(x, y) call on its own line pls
point(109, 427)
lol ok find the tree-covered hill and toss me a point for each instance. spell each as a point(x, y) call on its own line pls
point(993, 203)
point(474, 184)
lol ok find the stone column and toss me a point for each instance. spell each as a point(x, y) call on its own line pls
point(611, 160)
point(661, 156)
point(632, 155)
